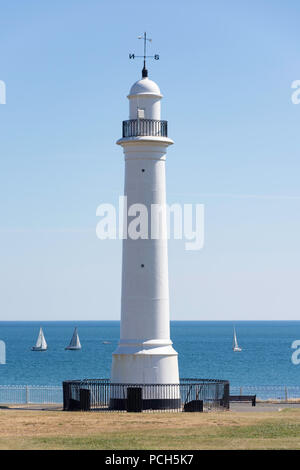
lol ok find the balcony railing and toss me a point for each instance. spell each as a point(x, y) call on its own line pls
point(145, 127)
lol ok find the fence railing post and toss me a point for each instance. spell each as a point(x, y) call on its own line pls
point(286, 393)
point(27, 395)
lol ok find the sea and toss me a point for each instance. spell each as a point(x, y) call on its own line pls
point(204, 351)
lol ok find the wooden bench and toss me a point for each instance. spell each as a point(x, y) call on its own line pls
point(243, 398)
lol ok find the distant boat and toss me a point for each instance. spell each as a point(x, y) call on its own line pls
point(41, 344)
point(74, 343)
point(235, 345)
point(106, 342)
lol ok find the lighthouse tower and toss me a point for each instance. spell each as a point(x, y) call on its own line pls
point(145, 354)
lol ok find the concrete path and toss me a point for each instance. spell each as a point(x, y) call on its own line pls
point(247, 407)
point(234, 407)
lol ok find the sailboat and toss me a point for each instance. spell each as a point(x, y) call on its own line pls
point(74, 343)
point(41, 344)
point(235, 345)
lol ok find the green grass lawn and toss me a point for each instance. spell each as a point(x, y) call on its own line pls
point(113, 431)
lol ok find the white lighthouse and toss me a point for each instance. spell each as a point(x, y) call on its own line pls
point(145, 354)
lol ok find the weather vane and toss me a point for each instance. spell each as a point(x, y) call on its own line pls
point(145, 56)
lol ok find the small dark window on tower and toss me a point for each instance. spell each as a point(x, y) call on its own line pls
point(142, 265)
point(143, 170)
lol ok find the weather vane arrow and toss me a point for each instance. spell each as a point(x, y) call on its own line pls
point(145, 56)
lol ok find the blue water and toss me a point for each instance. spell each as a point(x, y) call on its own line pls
point(204, 348)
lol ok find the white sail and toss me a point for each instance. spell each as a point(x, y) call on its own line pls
point(235, 343)
point(235, 346)
point(75, 342)
point(41, 344)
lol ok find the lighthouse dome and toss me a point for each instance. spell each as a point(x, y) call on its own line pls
point(145, 86)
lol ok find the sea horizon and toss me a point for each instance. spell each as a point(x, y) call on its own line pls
point(171, 321)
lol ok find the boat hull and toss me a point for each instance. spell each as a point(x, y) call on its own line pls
point(71, 348)
point(38, 349)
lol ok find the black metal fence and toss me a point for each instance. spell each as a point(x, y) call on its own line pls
point(145, 127)
point(188, 395)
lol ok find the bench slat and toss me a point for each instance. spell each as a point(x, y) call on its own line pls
point(251, 398)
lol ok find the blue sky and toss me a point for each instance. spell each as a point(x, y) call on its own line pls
point(225, 70)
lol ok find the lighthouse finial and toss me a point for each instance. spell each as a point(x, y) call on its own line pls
point(145, 71)
point(145, 56)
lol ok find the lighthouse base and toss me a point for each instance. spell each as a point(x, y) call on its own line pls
point(149, 362)
point(150, 367)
